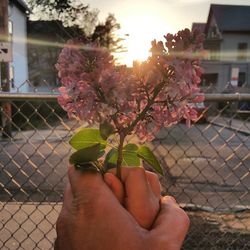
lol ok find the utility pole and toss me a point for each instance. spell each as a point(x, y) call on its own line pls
point(4, 69)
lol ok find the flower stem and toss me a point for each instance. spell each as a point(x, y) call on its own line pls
point(120, 156)
point(143, 113)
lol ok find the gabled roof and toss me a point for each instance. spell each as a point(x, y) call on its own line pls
point(230, 17)
point(199, 26)
point(20, 4)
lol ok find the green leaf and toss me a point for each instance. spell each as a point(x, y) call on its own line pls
point(147, 155)
point(87, 137)
point(85, 155)
point(108, 165)
point(106, 129)
point(130, 147)
point(130, 158)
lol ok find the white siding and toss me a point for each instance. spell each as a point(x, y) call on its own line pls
point(229, 46)
point(19, 41)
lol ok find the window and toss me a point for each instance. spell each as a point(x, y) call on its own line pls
point(242, 79)
point(10, 28)
point(209, 82)
point(242, 51)
point(11, 76)
point(213, 32)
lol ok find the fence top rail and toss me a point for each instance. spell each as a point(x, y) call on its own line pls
point(227, 97)
point(29, 96)
point(53, 96)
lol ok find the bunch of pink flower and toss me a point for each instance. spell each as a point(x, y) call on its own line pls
point(140, 100)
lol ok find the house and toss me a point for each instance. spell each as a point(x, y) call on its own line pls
point(47, 39)
point(227, 39)
point(18, 38)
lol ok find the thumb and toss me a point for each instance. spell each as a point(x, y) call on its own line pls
point(82, 181)
point(172, 222)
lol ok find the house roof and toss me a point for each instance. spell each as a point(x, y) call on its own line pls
point(52, 30)
point(20, 4)
point(199, 26)
point(230, 17)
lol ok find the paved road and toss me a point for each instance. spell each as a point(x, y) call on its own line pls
point(206, 164)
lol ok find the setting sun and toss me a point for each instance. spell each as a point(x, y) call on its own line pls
point(137, 50)
point(141, 30)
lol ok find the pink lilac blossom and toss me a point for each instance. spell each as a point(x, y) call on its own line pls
point(141, 100)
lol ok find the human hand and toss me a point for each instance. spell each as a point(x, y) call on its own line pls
point(139, 192)
point(170, 227)
point(92, 218)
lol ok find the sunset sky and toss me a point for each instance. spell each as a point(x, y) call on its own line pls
point(145, 20)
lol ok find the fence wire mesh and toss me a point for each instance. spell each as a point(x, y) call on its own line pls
point(206, 169)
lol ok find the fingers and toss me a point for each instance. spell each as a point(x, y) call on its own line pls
point(171, 214)
point(141, 200)
point(115, 185)
point(135, 182)
point(67, 197)
point(80, 181)
point(172, 222)
point(89, 192)
point(139, 192)
point(63, 220)
point(151, 180)
point(154, 183)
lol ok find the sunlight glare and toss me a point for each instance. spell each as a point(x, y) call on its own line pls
point(142, 30)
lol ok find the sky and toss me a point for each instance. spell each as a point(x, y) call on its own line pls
point(145, 20)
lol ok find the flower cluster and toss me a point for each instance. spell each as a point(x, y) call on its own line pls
point(140, 100)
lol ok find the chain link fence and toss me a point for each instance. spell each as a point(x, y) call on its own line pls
point(206, 169)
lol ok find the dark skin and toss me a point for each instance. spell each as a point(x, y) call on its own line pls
point(139, 192)
point(103, 213)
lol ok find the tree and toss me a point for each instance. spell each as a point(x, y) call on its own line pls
point(76, 13)
point(104, 33)
point(69, 12)
point(46, 40)
point(56, 21)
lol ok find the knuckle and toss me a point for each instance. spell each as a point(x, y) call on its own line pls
point(186, 219)
point(152, 175)
point(153, 178)
point(169, 200)
point(84, 203)
point(183, 217)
